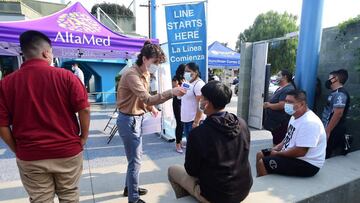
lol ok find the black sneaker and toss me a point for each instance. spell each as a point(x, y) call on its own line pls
point(345, 152)
point(142, 191)
point(139, 201)
point(348, 140)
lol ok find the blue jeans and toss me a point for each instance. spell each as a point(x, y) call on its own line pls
point(187, 128)
point(130, 132)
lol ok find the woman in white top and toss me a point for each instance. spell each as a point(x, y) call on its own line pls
point(190, 112)
point(153, 84)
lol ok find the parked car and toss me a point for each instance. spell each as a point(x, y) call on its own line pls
point(272, 88)
point(235, 81)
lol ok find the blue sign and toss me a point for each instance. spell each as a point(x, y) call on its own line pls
point(186, 32)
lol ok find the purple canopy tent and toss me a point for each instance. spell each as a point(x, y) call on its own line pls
point(74, 33)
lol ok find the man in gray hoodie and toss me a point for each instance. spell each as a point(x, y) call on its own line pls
point(217, 168)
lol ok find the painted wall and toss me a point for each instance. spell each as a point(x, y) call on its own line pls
point(11, 17)
point(107, 73)
point(103, 72)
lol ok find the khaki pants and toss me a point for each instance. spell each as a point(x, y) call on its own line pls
point(183, 184)
point(44, 178)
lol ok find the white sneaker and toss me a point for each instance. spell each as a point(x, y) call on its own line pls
point(178, 148)
point(180, 151)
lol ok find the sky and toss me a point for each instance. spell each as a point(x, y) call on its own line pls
point(227, 18)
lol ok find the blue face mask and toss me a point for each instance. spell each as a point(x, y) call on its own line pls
point(289, 109)
point(187, 76)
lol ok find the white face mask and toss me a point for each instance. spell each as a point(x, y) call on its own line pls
point(152, 68)
point(187, 76)
point(277, 80)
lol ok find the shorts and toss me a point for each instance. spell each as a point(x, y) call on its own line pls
point(289, 166)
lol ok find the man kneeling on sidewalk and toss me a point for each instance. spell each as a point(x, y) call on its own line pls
point(217, 168)
point(302, 152)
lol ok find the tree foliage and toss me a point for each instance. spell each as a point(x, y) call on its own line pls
point(282, 54)
point(343, 29)
point(218, 72)
point(345, 24)
point(114, 11)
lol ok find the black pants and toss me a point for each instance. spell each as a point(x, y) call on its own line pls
point(179, 125)
point(336, 140)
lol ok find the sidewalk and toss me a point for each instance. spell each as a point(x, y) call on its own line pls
point(105, 167)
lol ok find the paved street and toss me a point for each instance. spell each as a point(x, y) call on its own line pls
point(105, 165)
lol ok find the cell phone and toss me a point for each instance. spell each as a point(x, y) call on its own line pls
point(267, 151)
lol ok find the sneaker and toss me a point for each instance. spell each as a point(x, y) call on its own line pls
point(138, 201)
point(345, 152)
point(348, 140)
point(179, 150)
point(142, 191)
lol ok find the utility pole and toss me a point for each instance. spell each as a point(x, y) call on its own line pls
point(151, 17)
point(307, 57)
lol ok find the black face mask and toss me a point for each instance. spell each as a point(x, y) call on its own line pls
point(328, 83)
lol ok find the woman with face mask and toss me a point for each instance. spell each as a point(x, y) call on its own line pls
point(153, 83)
point(177, 80)
point(276, 120)
point(191, 115)
point(133, 100)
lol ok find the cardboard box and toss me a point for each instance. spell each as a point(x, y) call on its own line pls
point(151, 124)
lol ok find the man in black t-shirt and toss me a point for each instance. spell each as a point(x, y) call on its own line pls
point(335, 112)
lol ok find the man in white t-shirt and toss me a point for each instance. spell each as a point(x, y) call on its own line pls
point(78, 72)
point(302, 152)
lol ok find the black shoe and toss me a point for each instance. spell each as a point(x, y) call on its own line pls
point(139, 201)
point(345, 152)
point(142, 191)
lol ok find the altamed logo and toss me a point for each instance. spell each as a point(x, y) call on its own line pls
point(82, 23)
